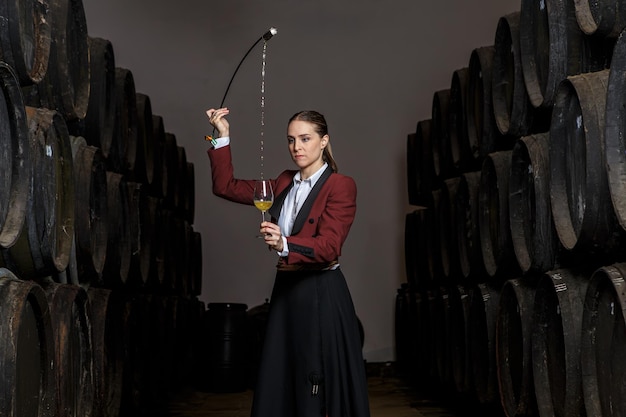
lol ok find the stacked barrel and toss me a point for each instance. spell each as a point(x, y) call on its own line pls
point(100, 265)
point(515, 245)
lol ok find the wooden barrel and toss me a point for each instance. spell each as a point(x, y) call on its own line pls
point(195, 265)
point(534, 238)
point(145, 164)
point(169, 170)
point(434, 248)
point(602, 342)
point(411, 248)
point(441, 370)
point(44, 246)
point(143, 230)
point(125, 123)
point(427, 179)
point(66, 85)
point(412, 164)
point(117, 264)
point(552, 47)
point(91, 208)
point(511, 105)
point(467, 228)
point(135, 196)
point(401, 327)
point(481, 330)
point(100, 114)
point(440, 135)
point(556, 337)
point(481, 124)
point(16, 159)
point(28, 360)
point(513, 347)
point(26, 38)
point(460, 152)
point(156, 278)
point(447, 227)
point(418, 265)
point(579, 189)
point(167, 251)
point(190, 200)
point(159, 183)
point(226, 325)
point(459, 343)
point(71, 322)
point(182, 186)
point(493, 216)
point(606, 18)
point(614, 121)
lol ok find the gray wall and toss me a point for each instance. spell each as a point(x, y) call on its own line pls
point(370, 66)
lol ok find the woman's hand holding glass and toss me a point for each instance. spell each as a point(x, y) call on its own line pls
point(271, 234)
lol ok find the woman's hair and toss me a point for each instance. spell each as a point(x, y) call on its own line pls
point(318, 120)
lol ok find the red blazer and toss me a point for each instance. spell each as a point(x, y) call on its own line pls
point(323, 222)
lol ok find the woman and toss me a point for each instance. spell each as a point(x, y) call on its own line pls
point(312, 364)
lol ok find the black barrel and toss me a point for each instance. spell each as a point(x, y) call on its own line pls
point(71, 322)
point(481, 330)
point(579, 189)
point(91, 208)
point(427, 179)
point(534, 238)
point(44, 246)
point(440, 135)
point(614, 128)
point(552, 48)
point(412, 164)
point(25, 39)
point(513, 346)
point(602, 342)
point(182, 186)
point(16, 158)
point(558, 307)
point(100, 114)
point(458, 335)
point(468, 228)
point(108, 350)
point(460, 152)
point(493, 216)
point(159, 182)
point(418, 229)
point(146, 161)
point(28, 354)
point(117, 264)
point(511, 105)
point(434, 246)
point(66, 85)
point(606, 18)
point(195, 265)
point(483, 133)
point(169, 171)
point(226, 327)
point(125, 123)
point(190, 198)
point(447, 227)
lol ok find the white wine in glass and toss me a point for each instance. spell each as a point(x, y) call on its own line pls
point(263, 196)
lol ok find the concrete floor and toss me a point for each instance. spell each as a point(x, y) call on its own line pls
point(390, 396)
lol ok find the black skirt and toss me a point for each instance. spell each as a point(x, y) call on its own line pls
point(312, 363)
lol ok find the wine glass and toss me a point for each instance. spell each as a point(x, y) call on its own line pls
point(263, 197)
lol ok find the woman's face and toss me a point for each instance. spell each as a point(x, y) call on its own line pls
point(306, 146)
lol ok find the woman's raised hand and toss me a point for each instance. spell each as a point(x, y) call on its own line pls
point(216, 118)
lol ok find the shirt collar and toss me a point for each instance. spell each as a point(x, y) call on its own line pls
point(313, 178)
